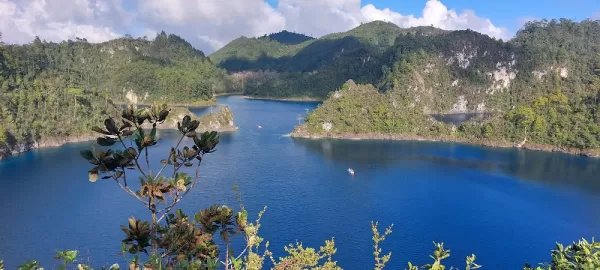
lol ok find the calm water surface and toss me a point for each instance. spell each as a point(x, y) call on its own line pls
point(508, 206)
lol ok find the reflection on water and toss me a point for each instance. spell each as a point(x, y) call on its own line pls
point(459, 118)
point(556, 168)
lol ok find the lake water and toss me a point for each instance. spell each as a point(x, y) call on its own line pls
point(507, 206)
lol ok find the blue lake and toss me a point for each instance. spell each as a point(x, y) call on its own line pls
point(507, 206)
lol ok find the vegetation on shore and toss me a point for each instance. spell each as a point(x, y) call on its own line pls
point(359, 111)
point(54, 91)
point(540, 89)
point(220, 120)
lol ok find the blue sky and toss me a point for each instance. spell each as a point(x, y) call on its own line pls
point(508, 13)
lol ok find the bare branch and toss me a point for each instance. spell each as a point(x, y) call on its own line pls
point(130, 192)
point(178, 198)
point(176, 147)
point(135, 159)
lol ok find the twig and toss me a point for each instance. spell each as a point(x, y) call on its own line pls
point(165, 165)
point(135, 159)
point(146, 154)
point(130, 192)
point(242, 253)
point(177, 199)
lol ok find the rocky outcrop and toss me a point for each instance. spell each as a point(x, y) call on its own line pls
point(220, 120)
point(47, 142)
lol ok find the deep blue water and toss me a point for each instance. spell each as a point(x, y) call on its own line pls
point(507, 206)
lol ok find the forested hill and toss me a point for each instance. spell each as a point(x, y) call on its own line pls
point(266, 67)
point(50, 90)
point(542, 88)
point(166, 69)
point(258, 53)
point(288, 38)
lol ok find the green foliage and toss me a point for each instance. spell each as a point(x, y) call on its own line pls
point(314, 67)
point(525, 94)
point(579, 255)
point(361, 109)
point(57, 90)
point(66, 257)
point(286, 37)
point(300, 257)
point(550, 119)
point(380, 261)
point(45, 83)
point(47, 108)
point(439, 254)
point(169, 239)
point(31, 265)
point(3, 135)
point(166, 69)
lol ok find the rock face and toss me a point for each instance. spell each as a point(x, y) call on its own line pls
point(219, 120)
point(44, 143)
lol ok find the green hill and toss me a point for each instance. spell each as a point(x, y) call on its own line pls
point(288, 38)
point(253, 53)
point(540, 90)
point(314, 67)
point(58, 90)
point(165, 69)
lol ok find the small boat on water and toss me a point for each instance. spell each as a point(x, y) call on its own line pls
point(259, 126)
point(351, 171)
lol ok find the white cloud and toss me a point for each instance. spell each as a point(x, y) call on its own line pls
point(21, 21)
point(435, 13)
point(325, 16)
point(210, 24)
point(320, 17)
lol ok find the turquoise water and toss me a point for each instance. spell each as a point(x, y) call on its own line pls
point(507, 206)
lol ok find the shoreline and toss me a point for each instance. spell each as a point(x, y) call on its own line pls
point(229, 94)
point(50, 142)
point(208, 103)
point(485, 143)
point(297, 99)
point(53, 142)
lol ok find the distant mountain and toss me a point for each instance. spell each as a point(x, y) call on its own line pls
point(243, 53)
point(287, 38)
point(277, 52)
point(316, 66)
point(383, 34)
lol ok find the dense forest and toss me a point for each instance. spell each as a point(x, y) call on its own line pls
point(71, 82)
point(313, 68)
point(542, 87)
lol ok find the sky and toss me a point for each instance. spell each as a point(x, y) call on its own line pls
point(211, 24)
